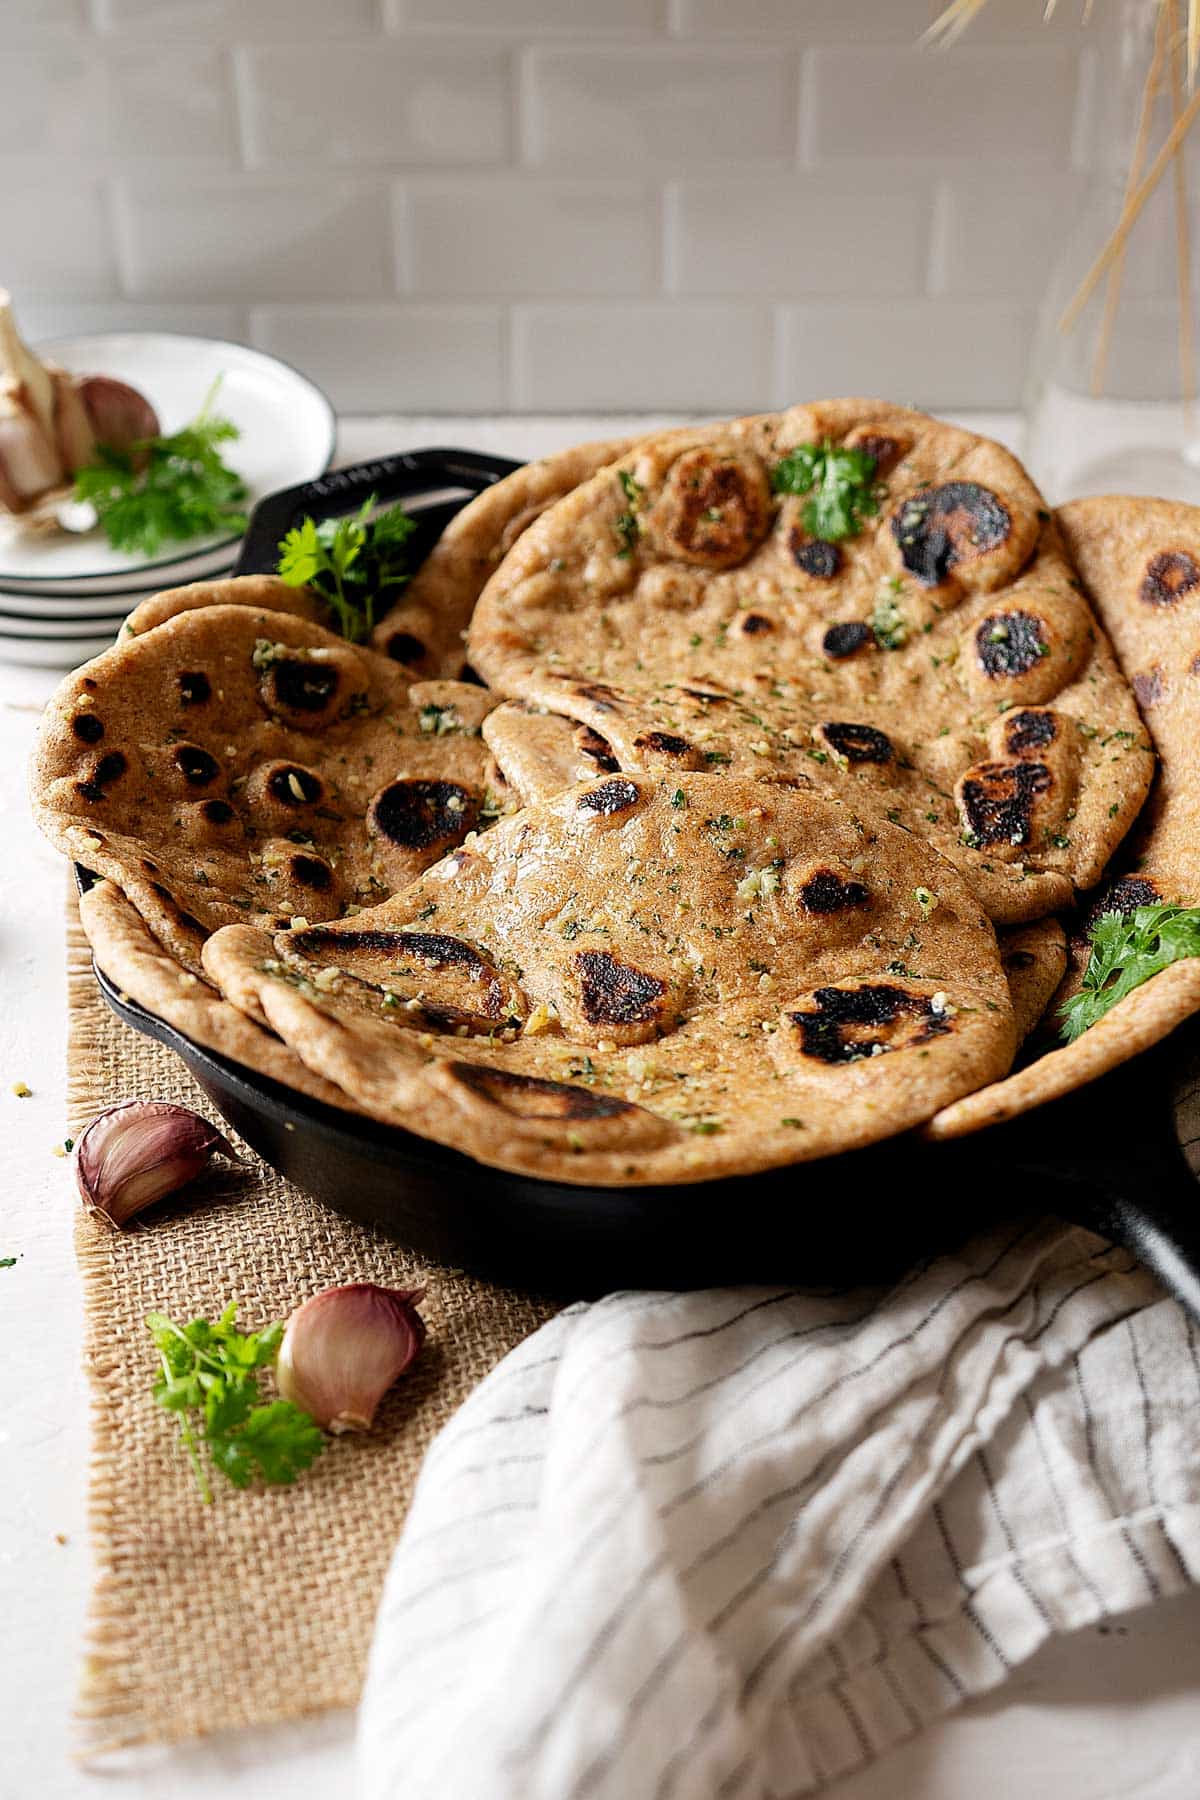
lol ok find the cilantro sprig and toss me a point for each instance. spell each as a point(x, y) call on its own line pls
point(352, 562)
point(842, 485)
point(1127, 949)
point(210, 1379)
point(164, 489)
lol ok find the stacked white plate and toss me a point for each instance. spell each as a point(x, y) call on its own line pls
point(64, 598)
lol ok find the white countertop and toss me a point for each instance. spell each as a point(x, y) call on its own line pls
point(1104, 1714)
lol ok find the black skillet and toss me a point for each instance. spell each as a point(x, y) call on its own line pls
point(1108, 1157)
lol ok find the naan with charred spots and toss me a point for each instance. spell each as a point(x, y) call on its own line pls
point(826, 891)
point(846, 1024)
point(194, 687)
point(414, 814)
point(653, 963)
point(616, 993)
point(261, 738)
point(610, 798)
point(530, 1097)
point(1029, 730)
point(403, 647)
point(296, 685)
point(714, 508)
point(857, 743)
point(665, 743)
point(1010, 643)
point(1169, 576)
point(862, 605)
point(197, 766)
point(815, 556)
point(1124, 895)
point(939, 530)
point(108, 770)
point(998, 801)
point(293, 785)
point(597, 748)
point(841, 641)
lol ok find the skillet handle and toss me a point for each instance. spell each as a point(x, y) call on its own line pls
point(1110, 1156)
point(341, 490)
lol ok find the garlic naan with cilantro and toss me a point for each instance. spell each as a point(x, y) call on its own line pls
point(932, 655)
point(643, 981)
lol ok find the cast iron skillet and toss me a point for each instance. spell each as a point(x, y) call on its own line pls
point(1107, 1157)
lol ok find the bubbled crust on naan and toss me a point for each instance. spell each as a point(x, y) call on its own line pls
point(235, 764)
point(1140, 562)
point(425, 629)
point(1136, 1023)
point(264, 592)
point(640, 982)
point(893, 666)
point(143, 972)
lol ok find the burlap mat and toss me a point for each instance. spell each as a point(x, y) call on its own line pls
point(258, 1608)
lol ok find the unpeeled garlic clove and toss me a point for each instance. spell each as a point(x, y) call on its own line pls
point(29, 463)
point(73, 428)
point(139, 1151)
point(24, 372)
point(119, 416)
point(343, 1349)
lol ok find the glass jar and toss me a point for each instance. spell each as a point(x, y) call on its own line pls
point(1109, 402)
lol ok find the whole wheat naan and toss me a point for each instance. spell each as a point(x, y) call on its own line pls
point(263, 592)
point(142, 971)
point(240, 764)
point(942, 665)
point(1140, 560)
point(426, 627)
point(640, 982)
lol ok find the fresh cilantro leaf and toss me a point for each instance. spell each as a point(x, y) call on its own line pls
point(1127, 948)
point(275, 1443)
point(842, 485)
point(209, 1379)
point(302, 554)
point(8, 1262)
point(350, 562)
point(166, 489)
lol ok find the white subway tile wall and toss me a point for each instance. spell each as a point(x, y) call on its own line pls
point(467, 205)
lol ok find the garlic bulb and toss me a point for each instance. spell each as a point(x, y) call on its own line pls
point(343, 1349)
point(51, 422)
point(139, 1151)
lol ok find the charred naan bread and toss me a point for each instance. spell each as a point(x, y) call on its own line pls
point(1034, 960)
point(144, 972)
point(263, 592)
point(426, 628)
point(645, 982)
point(1140, 561)
point(540, 753)
point(942, 665)
point(238, 764)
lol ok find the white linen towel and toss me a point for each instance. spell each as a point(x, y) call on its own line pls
point(738, 1543)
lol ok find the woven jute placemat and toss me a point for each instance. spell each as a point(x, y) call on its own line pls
point(258, 1608)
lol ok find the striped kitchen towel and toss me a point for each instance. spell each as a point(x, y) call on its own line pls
point(738, 1543)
